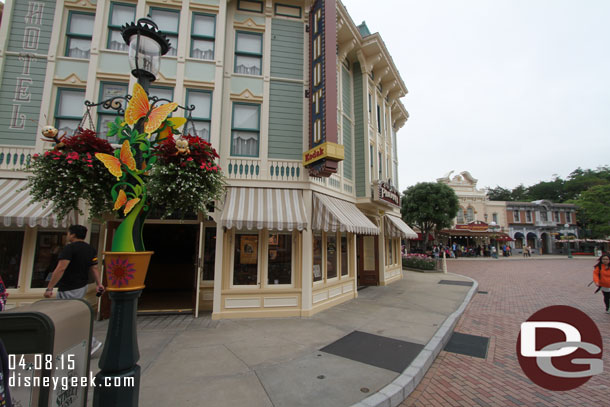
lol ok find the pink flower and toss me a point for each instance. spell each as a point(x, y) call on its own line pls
point(89, 165)
point(189, 159)
point(70, 161)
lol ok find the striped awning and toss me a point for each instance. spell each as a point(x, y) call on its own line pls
point(264, 208)
point(396, 227)
point(332, 214)
point(16, 209)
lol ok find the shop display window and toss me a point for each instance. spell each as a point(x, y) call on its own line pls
point(209, 254)
point(279, 256)
point(11, 243)
point(344, 255)
point(245, 269)
point(48, 247)
point(317, 256)
point(331, 255)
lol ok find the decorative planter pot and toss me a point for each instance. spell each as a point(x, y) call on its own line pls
point(126, 271)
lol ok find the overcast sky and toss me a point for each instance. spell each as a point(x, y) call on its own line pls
point(513, 91)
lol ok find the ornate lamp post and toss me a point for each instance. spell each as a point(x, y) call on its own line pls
point(494, 228)
point(121, 354)
point(566, 230)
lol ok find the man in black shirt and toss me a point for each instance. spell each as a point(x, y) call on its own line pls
point(71, 275)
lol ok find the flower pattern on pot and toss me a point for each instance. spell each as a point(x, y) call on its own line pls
point(120, 271)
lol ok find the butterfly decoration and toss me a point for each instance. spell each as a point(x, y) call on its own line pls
point(121, 201)
point(139, 107)
point(113, 164)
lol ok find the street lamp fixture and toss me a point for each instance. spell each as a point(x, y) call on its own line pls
point(146, 46)
point(566, 226)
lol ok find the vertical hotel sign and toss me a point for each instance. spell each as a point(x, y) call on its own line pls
point(324, 154)
point(25, 64)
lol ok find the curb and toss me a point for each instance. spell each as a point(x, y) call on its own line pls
point(396, 392)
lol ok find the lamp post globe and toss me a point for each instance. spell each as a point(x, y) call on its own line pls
point(146, 46)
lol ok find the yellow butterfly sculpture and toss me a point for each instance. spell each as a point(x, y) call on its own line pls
point(122, 200)
point(139, 107)
point(114, 164)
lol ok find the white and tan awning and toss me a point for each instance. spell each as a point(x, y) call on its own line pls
point(16, 209)
point(333, 214)
point(264, 208)
point(396, 227)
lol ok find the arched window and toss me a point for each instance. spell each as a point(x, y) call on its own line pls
point(470, 214)
point(460, 215)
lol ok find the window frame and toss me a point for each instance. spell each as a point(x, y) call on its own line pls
point(569, 217)
point(258, 263)
point(110, 27)
point(259, 2)
point(56, 115)
point(459, 217)
point(324, 261)
point(100, 113)
point(169, 33)
point(69, 35)
point(293, 247)
point(202, 37)
point(258, 130)
point(528, 216)
point(517, 216)
point(237, 53)
point(198, 119)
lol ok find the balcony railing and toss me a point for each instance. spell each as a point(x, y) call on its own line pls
point(15, 158)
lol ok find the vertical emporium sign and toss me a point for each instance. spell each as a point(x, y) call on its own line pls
point(25, 64)
point(324, 154)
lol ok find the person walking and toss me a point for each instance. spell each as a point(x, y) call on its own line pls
point(601, 276)
point(71, 276)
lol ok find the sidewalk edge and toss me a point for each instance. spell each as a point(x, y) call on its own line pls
point(397, 391)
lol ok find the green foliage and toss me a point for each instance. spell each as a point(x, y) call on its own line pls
point(499, 194)
point(418, 261)
point(594, 210)
point(429, 206)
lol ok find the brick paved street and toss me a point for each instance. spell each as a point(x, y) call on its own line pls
point(516, 290)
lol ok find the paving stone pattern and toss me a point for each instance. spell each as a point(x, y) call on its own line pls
point(516, 289)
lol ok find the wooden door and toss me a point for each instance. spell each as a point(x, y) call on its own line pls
point(368, 256)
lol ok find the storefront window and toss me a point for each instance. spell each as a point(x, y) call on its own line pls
point(317, 256)
point(11, 243)
point(387, 251)
point(48, 247)
point(280, 259)
point(344, 265)
point(209, 254)
point(331, 255)
point(245, 269)
point(390, 255)
point(397, 248)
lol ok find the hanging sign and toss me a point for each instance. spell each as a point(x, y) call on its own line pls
point(322, 87)
point(386, 193)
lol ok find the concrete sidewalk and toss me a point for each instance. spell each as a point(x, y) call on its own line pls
point(279, 362)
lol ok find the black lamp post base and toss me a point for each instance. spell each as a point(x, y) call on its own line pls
point(120, 389)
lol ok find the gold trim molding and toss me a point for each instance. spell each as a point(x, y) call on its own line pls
point(82, 4)
point(248, 24)
point(71, 80)
point(246, 96)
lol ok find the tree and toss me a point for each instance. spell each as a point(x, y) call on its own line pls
point(549, 190)
point(594, 210)
point(499, 194)
point(429, 206)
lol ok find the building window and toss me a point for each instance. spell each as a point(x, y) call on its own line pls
point(331, 255)
point(168, 22)
point(69, 110)
point(556, 216)
point(245, 267)
point(209, 254)
point(516, 216)
point(279, 257)
point(470, 214)
point(317, 256)
point(248, 53)
point(380, 164)
point(528, 216)
point(10, 259)
point(372, 161)
point(202, 100)
point(378, 118)
point(344, 255)
point(460, 216)
point(568, 217)
point(120, 14)
point(203, 35)
point(48, 247)
point(161, 92)
point(494, 217)
point(106, 116)
point(544, 216)
point(245, 130)
point(79, 33)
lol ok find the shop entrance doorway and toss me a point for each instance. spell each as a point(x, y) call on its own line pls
point(170, 282)
point(368, 264)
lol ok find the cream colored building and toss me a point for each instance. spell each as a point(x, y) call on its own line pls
point(245, 65)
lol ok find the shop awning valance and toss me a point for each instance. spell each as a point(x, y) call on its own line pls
point(264, 208)
point(396, 227)
point(16, 209)
point(333, 214)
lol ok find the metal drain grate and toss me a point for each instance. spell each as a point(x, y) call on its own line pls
point(470, 345)
point(454, 282)
point(375, 350)
point(482, 292)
